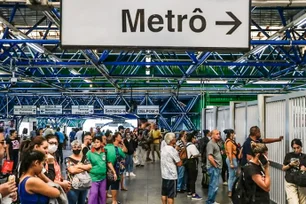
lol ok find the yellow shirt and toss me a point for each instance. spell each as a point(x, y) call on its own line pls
point(156, 136)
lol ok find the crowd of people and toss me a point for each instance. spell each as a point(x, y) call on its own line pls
point(101, 160)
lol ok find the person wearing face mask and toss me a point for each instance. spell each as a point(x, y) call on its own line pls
point(231, 149)
point(131, 147)
point(257, 175)
point(52, 148)
point(293, 162)
point(75, 165)
point(255, 136)
point(31, 188)
point(98, 160)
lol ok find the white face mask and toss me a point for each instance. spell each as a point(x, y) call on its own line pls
point(52, 148)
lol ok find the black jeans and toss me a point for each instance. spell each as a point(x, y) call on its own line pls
point(192, 171)
point(224, 173)
point(60, 153)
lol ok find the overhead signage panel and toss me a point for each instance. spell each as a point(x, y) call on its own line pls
point(147, 110)
point(212, 24)
point(82, 110)
point(51, 110)
point(24, 110)
point(114, 110)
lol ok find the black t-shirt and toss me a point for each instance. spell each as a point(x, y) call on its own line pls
point(261, 196)
point(13, 147)
point(247, 149)
point(290, 157)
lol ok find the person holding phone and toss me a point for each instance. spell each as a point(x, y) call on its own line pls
point(293, 162)
point(257, 174)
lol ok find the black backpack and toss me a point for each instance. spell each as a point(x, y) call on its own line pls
point(241, 193)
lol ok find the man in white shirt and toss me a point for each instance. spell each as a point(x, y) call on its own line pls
point(170, 160)
point(79, 135)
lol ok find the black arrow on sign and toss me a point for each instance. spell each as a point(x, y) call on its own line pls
point(236, 23)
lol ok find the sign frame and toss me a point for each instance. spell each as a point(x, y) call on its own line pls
point(51, 106)
point(93, 108)
point(114, 107)
point(148, 106)
point(32, 106)
point(171, 48)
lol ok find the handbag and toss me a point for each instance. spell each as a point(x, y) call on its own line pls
point(7, 167)
point(80, 181)
point(300, 178)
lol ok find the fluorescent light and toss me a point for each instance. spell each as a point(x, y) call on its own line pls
point(301, 22)
point(74, 72)
point(3, 73)
point(148, 71)
point(148, 59)
point(87, 80)
point(206, 82)
point(28, 80)
point(271, 82)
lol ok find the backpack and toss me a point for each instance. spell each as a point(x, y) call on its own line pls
point(119, 164)
point(205, 180)
point(240, 193)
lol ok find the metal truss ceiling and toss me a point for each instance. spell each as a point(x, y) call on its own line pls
point(30, 49)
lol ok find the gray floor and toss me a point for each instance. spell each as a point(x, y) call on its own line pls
point(145, 188)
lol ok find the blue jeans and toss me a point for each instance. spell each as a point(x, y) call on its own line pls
point(129, 163)
point(232, 173)
point(77, 196)
point(181, 180)
point(214, 175)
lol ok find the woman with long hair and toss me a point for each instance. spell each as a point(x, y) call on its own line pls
point(32, 189)
point(231, 149)
point(52, 148)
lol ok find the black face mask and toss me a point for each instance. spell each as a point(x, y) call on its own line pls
point(263, 159)
point(77, 152)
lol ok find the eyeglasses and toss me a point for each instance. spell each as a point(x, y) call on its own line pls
point(53, 143)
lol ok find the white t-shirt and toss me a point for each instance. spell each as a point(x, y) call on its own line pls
point(163, 144)
point(169, 158)
point(78, 136)
point(192, 150)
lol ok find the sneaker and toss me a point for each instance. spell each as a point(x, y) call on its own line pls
point(216, 202)
point(189, 194)
point(132, 174)
point(148, 159)
point(141, 165)
point(127, 174)
point(179, 191)
point(225, 183)
point(196, 197)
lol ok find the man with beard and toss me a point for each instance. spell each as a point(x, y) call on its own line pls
point(255, 136)
point(8, 188)
point(86, 144)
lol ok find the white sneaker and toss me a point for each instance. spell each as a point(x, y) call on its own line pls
point(127, 174)
point(224, 184)
point(132, 174)
point(216, 202)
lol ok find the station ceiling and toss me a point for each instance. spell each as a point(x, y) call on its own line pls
point(31, 53)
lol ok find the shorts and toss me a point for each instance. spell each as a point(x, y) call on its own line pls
point(169, 188)
point(113, 185)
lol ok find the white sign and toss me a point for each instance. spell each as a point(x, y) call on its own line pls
point(114, 110)
point(147, 110)
point(210, 24)
point(51, 110)
point(24, 110)
point(82, 110)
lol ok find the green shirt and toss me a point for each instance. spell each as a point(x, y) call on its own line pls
point(98, 162)
point(111, 153)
